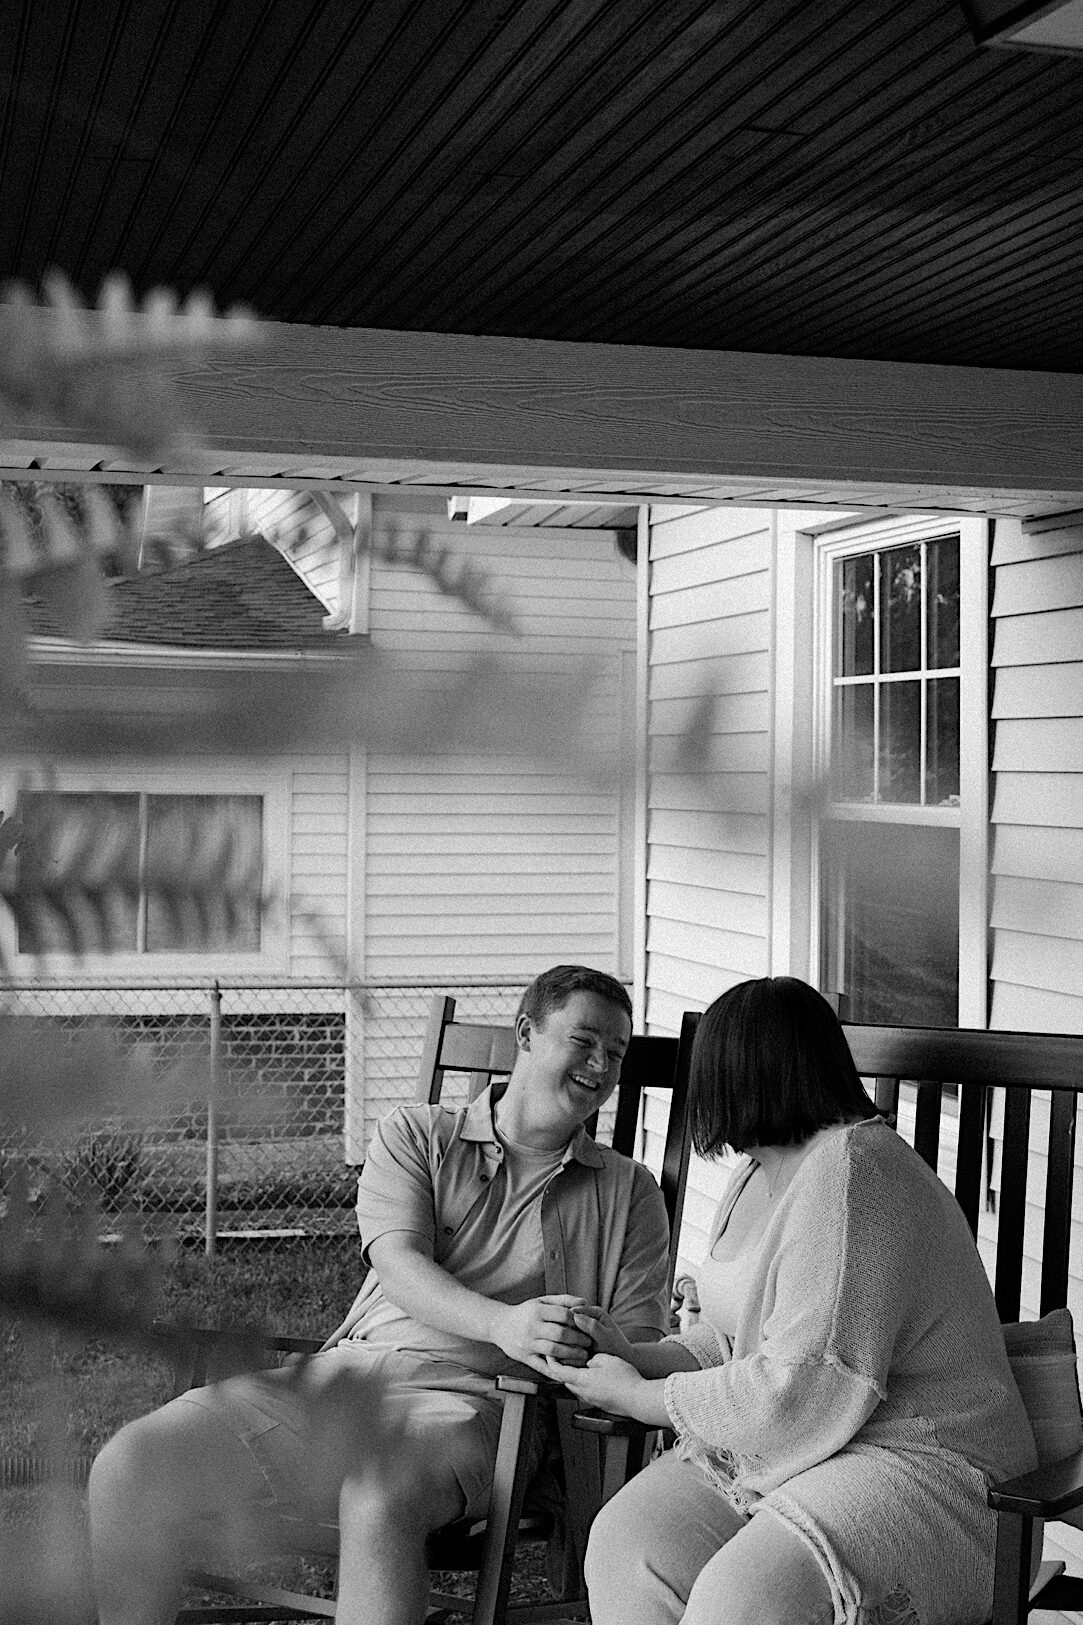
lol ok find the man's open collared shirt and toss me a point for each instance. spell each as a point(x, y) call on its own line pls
point(589, 1222)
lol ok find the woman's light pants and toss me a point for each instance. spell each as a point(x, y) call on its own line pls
point(670, 1547)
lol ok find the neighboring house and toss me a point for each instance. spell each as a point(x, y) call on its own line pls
point(175, 636)
point(401, 872)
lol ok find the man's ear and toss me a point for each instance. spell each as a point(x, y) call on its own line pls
point(522, 1031)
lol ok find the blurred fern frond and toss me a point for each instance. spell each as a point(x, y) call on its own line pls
point(451, 574)
point(74, 875)
point(106, 370)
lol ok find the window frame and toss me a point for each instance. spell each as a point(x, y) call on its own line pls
point(189, 776)
point(971, 817)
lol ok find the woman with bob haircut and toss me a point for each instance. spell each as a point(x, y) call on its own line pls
point(845, 1398)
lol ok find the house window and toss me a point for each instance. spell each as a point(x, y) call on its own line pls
point(140, 873)
point(899, 931)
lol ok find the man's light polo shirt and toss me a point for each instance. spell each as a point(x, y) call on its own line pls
point(509, 1226)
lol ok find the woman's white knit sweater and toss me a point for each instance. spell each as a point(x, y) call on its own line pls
point(867, 1399)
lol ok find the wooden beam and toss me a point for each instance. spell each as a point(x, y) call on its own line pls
point(641, 418)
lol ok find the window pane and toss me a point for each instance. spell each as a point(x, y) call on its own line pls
point(942, 564)
point(900, 609)
point(854, 618)
point(900, 742)
point(854, 742)
point(78, 874)
point(203, 873)
point(890, 921)
point(942, 772)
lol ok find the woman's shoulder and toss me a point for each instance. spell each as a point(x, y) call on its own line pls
point(862, 1151)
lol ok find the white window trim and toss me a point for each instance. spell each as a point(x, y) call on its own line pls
point(185, 776)
point(806, 547)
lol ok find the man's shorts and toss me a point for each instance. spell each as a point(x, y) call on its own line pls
point(454, 1413)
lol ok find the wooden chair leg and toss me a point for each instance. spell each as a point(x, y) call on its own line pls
point(582, 1456)
point(1011, 1584)
point(626, 1454)
point(505, 1508)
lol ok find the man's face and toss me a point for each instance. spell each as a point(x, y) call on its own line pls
point(576, 1052)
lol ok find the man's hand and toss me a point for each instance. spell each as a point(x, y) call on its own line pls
point(542, 1333)
point(614, 1385)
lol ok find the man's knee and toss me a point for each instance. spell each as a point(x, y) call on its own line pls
point(175, 1463)
point(125, 1471)
point(408, 1498)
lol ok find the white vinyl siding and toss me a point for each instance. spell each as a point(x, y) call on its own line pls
point(708, 835)
point(319, 831)
point(1037, 862)
point(495, 867)
point(1036, 910)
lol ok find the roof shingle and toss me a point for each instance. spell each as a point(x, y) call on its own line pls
point(244, 596)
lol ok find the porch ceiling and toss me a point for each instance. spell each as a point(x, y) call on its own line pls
point(830, 179)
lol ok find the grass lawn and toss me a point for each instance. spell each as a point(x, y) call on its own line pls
point(62, 1397)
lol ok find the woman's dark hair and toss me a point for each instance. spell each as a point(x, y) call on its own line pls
point(770, 1066)
point(553, 988)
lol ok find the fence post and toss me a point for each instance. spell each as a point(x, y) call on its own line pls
point(210, 1227)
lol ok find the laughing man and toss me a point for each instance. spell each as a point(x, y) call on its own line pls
point(484, 1228)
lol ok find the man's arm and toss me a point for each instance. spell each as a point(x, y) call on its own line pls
point(533, 1332)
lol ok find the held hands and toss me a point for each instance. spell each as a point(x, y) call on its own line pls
point(542, 1333)
point(611, 1385)
point(605, 1335)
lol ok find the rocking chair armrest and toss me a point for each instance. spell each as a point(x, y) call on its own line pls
point(175, 1332)
point(609, 1423)
point(1047, 1492)
point(200, 1353)
point(530, 1385)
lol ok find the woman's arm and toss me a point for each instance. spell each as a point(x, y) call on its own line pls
point(649, 1359)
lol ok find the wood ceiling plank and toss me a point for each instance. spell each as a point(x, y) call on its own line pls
point(132, 131)
point(674, 139)
point(679, 269)
point(248, 64)
point(414, 179)
point(918, 277)
point(607, 133)
point(337, 73)
point(869, 242)
point(662, 284)
point(43, 67)
point(396, 78)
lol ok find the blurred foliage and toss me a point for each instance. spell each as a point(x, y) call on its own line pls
point(71, 877)
point(109, 376)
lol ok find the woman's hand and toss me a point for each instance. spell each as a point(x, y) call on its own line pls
point(615, 1385)
point(605, 1335)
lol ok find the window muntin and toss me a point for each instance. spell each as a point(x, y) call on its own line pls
point(895, 675)
point(889, 870)
point(156, 845)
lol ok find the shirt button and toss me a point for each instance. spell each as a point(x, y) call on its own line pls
point(484, 1178)
point(552, 1252)
point(448, 1231)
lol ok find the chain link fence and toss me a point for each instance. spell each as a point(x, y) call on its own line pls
point(255, 1102)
